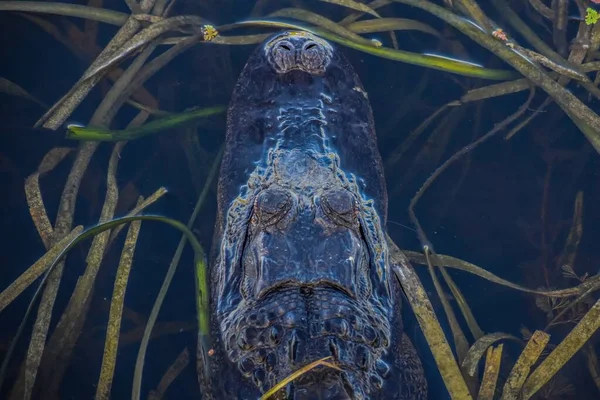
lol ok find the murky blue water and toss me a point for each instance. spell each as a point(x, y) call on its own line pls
point(506, 206)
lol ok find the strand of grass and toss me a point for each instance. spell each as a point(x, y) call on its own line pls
point(518, 85)
point(150, 69)
point(433, 149)
point(295, 375)
point(577, 52)
point(542, 9)
point(463, 305)
point(160, 329)
point(113, 330)
point(201, 296)
point(420, 232)
point(133, 6)
point(374, 5)
point(320, 21)
point(58, 114)
point(405, 108)
point(592, 363)
point(582, 116)
point(537, 112)
point(195, 155)
point(158, 7)
point(122, 89)
point(127, 84)
point(490, 373)
point(91, 232)
point(202, 291)
point(495, 90)
point(84, 50)
point(62, 227)
point(369, 26)
point(594, 43)
point(591, 284)
point(142, 39)
point(354, 5)
point(398, 153)
point(524, 29)
point(569, 252)
point(391, 24)
point(471, 10)
point(241, 40)
point(150, 110)
point(163, 124)
point(425, 60)
point(582, 332)
point(464, 171)
point(62, 341)
point(172, 373)
point(62, 109)
point(68, 329)
point(559, 25)
point(24, 280)
point(160, 192)
point(90, 27)
point(66, 10)
point(33, 193)
point(479, 348)
point(13, 89)
point(583, 296)
point(568, 71)
point(521, 369)
point(461, 345)
point(420, 304)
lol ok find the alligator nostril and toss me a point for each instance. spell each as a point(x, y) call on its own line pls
point(315, 57)
point(282, 57)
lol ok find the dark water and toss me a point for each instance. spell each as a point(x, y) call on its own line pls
point(507, 209)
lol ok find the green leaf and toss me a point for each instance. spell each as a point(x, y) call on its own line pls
point(592, 16)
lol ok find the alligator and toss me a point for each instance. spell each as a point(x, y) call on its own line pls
point(299, 267)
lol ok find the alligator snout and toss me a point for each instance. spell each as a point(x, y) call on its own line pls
point(298, 51)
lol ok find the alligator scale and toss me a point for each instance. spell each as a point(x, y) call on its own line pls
point(300, 267)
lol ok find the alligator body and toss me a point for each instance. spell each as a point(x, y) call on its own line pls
point(299, 267)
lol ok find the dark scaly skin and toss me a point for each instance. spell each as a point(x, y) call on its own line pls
point(300, 265)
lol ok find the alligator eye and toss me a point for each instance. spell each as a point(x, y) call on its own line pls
point(271, 206)
point(340, 205)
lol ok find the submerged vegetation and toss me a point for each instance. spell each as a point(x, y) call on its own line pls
point(151, 36)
